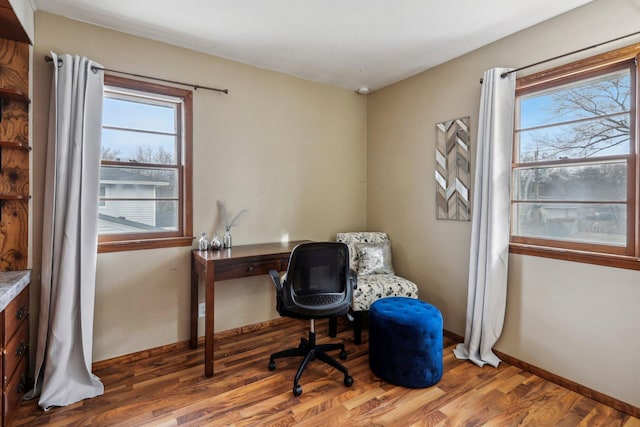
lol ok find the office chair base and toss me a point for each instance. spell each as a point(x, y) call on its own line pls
point(310, 351)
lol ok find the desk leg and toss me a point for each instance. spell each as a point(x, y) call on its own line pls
point(193, 338)
point(208, 318)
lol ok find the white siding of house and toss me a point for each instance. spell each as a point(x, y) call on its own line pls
point(134, 210)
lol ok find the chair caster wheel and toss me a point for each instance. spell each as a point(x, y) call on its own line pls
point(297, 389)
point(348, 381)
point(343, 355)
point(272, 365)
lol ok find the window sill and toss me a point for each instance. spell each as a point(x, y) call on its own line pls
point(133, 245)
point(616, 261)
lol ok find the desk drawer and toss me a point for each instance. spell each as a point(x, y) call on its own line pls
point(14, 314)
point(245, 269)
point(15, 350)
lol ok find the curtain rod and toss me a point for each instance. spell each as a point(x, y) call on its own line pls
point(194, 86)
point(505, 74)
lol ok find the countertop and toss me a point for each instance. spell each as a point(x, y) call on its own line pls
point(11, 284)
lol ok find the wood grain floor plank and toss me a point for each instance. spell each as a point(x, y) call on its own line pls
point(171, 390)
point(406, 411)
point(632, 422)
point(603, 416)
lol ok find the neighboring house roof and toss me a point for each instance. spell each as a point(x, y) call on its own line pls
point(128, 176)
point(109, 224)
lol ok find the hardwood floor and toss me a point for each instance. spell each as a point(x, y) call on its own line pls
point(170, 390)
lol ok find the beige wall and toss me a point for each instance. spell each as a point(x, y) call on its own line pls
point(291, 151)
point(576, 320)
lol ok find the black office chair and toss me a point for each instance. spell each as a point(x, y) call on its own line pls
point(317, 284)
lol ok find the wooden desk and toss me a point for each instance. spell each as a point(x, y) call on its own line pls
point(239, 261)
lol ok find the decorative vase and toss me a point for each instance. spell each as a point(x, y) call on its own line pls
point(226, 239)
point(203, 244)
point(215, 243)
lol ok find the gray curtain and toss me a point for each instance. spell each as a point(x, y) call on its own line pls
point(489, 251)
point(69, 246)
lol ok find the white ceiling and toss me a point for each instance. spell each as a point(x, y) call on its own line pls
point(346, 43)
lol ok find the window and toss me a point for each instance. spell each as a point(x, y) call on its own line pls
point(145, 172)
point(103, 195)
point(574, 173)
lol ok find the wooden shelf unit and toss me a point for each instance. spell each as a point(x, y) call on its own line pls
point(8, 94)
point(15, 152)
point(14, 145)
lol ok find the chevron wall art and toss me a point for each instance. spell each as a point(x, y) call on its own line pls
point(452, 170)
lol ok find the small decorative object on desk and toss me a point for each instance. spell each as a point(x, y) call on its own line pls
point(226, 239)
point(215, 243)
point(203, 244)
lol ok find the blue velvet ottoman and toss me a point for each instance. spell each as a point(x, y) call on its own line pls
point(405, 341)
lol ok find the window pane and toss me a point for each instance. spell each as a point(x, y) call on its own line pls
point(593, 97)
point(599, 182)
point(597, 137)
point(142, 115)
point(138, 183)
point(583, 223)
point(121, 145)
point(103, 191)
point(121, 216)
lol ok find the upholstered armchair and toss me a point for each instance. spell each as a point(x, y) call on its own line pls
point(370, 258)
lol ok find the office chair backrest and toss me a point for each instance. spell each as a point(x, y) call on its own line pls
point(317, 283)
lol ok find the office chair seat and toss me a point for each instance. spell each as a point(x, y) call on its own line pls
point(319, 300)
point(318, 284)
